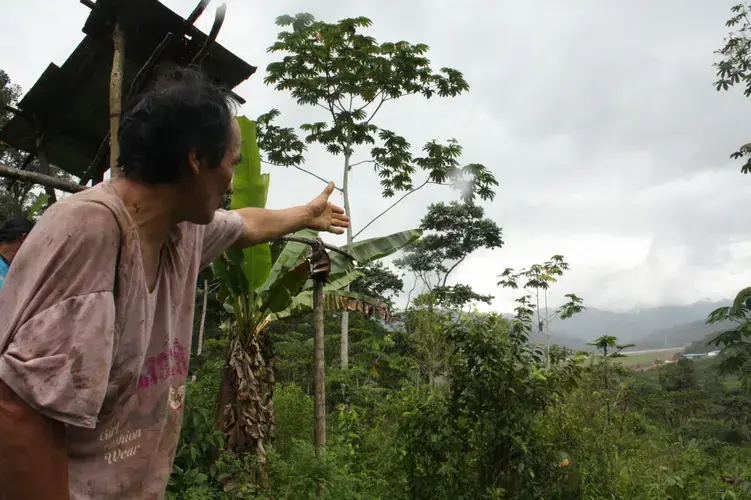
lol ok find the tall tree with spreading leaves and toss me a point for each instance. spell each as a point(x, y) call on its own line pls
point(349, 76)
point(536, 281)
point(734, 66)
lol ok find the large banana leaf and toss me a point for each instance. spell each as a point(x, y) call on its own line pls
point(287, 276)
point(334, 301)
point(250, 189)
point(372, 249)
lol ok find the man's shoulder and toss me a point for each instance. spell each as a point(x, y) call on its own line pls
point(90, 209)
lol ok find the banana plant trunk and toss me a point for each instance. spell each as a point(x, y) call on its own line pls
point(246, 410)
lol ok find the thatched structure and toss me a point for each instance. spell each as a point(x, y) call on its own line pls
point(66, 117)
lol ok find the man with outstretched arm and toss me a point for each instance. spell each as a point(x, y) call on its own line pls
point(97, 310)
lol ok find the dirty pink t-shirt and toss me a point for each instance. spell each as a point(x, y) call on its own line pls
point(112, 367)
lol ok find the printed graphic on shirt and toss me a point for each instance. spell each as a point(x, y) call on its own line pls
point(163, 366)
point(119, 444)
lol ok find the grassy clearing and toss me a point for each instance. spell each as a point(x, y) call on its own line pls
point(648, 357)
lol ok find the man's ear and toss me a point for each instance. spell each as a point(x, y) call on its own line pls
point(23, 237)
point(193, 162)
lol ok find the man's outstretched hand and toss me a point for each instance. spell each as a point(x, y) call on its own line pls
point(325, 216)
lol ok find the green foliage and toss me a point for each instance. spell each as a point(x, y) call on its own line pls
point(451, 233)
point(678, 376)
point(734, 66)
point(497, 424)
point(476, 439)
point(536, 281)
point(378, 281)
point(735, 357)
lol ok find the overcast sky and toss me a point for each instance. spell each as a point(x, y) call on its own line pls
point(599, 120)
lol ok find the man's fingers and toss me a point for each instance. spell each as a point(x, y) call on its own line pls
point(336, 209)
point(336, 230)
point(329, 189)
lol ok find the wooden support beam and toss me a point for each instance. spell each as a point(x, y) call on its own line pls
point(41, 179)
point(44, 165)
point(17, 112)
point(94, 172)
point(221, 12)
point(116, 95)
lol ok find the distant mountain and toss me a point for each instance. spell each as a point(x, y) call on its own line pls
point(635, 325)
point(570, 342)
point(682, 335)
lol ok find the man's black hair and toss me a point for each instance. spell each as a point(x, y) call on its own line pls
point(181, 112)
point(15, 227)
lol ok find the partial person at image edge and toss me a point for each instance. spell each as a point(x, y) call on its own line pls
point(13, 233)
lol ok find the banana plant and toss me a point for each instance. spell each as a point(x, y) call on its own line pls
point(257, 291)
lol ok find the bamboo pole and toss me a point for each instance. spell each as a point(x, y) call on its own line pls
point(116, 91)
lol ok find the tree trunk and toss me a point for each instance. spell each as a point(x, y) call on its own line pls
point(344, 341)
point(116, 91)
point(319, 437)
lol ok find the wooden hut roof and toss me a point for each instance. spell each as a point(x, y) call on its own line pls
point(70, 103)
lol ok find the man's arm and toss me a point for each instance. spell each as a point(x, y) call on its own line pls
point(33, 458)
point(262, 225)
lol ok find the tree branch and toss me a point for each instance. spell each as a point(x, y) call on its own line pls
point(361, 162)
point(308, 241)
point(303, 170)
point(409, 295)
point(372, 115)
point(446, 276)
point(36, 178)
point(389, 208)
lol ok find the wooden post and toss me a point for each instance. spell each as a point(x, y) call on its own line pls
point(319, 433)
point(45, 168)
point(116, 92)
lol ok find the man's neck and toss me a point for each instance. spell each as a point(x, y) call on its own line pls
point(150, 207)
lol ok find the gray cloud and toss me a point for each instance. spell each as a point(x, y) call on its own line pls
point(599, 120)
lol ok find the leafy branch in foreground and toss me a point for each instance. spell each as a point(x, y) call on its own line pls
point(734, 66)
point(735, 357)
